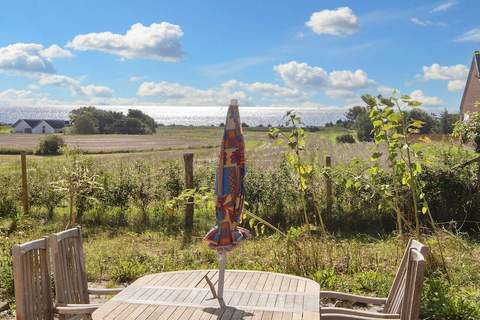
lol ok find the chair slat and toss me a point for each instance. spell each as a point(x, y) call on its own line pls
point(32, 281)
point(69, 267)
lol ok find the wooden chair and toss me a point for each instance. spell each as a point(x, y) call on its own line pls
point(33, 291)
point(71, 284)
point(403, 301)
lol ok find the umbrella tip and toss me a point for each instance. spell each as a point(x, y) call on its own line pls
point(234, 102)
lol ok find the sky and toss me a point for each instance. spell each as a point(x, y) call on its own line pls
point(298, 54)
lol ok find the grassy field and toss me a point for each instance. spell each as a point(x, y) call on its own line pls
point(168, 143)
point(361, 265)
point(357, 259)
point(4, 129)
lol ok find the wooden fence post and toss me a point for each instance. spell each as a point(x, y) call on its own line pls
point(328, 185)
point(188, 161)
point(23, 158)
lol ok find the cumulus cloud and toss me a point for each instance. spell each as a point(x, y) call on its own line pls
point(339, 93)
point(264, 88)
point(55, 51)
point(297, 74)
point(438, 72)
point(385, 91)
point(426, 100)
point(337, 83)
point(350, 80)
point(179, 94)
point(470, 36)
point(75, 86)
point(444, 6)
point(456, 75)
point(456, 85)
point(97, 91)
point(30, 57)
point(15, 94)
point(339, 22)
point(159, 41)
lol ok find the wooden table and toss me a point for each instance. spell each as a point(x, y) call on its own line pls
point(186, 295)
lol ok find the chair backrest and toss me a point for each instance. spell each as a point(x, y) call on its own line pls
point(405, 294)
point(33, 295)
point(71, 284)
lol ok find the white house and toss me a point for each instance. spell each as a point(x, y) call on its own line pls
point(38, 126)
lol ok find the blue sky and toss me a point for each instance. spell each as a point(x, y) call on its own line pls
point(268, 53)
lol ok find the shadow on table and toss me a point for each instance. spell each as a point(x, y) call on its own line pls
point(239, 314)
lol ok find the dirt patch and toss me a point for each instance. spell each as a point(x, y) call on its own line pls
point(96, 143)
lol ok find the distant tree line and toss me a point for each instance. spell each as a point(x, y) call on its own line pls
point(356, 118)
point(91, 120)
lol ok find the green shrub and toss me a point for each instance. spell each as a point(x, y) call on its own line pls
point(128, 270)
point(50, 145)
point(326, 278)
point(6, 271)
point(345, 138)
point(9, 197)
point(442, 301)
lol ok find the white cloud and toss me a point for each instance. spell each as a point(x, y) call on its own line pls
point(350, 80)
point(444, 6)
point(97, 91)
point(296, 74)
point(470, 36)
point(339, 22)
point(14, 94)
point(55, 51)
point(339, 93)
point(456, 75)
point(75, 86)
point(438, 72)
point(456, 85)
point(338, 83)
point(426, 100)
point(264, 88)
point(178, 94)
point(30, 57)
point(159, 41)
point(426, 23)
point(385, 91)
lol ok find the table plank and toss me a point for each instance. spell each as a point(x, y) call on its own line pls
point(186, 295)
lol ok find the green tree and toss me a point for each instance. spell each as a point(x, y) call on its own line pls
point(129, 126)
point(447, 122)
point(84, 124)
point(430, 124)
point(363, 126)
point(146, 119)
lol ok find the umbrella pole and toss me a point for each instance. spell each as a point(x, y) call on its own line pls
point(222, 258)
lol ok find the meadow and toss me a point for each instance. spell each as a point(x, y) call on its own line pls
point(132, 214)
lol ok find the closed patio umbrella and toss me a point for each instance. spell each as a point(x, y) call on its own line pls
point(230, 193)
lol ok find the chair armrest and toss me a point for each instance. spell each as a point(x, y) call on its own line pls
point(336, 316)
point(351, 297)
point(361, 313)
point(104, 292)
point(76, 308)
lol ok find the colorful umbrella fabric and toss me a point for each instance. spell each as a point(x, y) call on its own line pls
point(229, 187)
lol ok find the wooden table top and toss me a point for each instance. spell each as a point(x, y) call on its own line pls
point(186, 295)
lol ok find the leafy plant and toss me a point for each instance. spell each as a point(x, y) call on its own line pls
point(79, 181)
point(345, 138)
point(392, 128)
point(50, 145)
point(295, 139)
point(468, 130)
